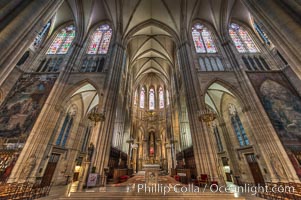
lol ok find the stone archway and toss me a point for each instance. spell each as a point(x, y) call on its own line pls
point(226, 135)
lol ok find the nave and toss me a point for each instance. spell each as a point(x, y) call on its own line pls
point(203, 92)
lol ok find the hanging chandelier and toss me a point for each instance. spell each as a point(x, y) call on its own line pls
point(95, 117)
point(207, 116)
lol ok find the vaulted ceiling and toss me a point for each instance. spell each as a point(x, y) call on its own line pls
point(130, 13)
point(150, 46)
point(151, 51)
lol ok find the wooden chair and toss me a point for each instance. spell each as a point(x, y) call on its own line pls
point(214, 184)
point(26, 191)
point(12, 190)
point(203, 180)
point(47, 190)
point(37, 192)
point(177, 178)
point(4, 192)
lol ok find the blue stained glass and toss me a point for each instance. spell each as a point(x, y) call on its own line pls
point(59, 139)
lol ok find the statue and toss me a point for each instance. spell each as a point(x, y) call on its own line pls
point(90, 151)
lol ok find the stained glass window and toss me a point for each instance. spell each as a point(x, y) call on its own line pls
point(151, 99)
point(238, 127)
point(261, 33)
point(161, 98)
point(237, 41)
point(37, 41)
point(65, 130)
point(100, 40)
point(202, 39)
point(218, 139)
point(86, 139)
point(142, 98)
point(135, 97)
point(242, 39)
point(167, 97)
point(62, 41)
point(94, 43)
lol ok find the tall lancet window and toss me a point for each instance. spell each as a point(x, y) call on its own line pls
point(261, 33)
point(218, 138)
point(62, 41)
point(66, 127)
point(202, 39)
point(167, 97)
point(40, 37)
point(238, 127)
point(142, 97)
point(161, 98)
point(135, 97)
point(151, 99)
point(100, 40)
point(242, 39)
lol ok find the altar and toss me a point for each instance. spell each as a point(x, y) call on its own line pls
point(151, 173)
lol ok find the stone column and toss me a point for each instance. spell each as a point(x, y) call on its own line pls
point(111, 88)
point(9, 6)
point(230, 148)
point(44, 131)
point(169, 158)
point(135, 160)
point(83, 178)
point(18, 33)
point(263, 135)
point(144, 150)
point(130, 150)
point(281, 25)
point(204, 157)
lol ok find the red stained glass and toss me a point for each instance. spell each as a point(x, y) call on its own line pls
point(100, 40)
point(62, 41)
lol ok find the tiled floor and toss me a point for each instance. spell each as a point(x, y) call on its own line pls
point(61, 191)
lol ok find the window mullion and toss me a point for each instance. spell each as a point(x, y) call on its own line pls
point(242, 41)
point(58, 49)
point(201, 34)
point(100, 41)
point(67, 131)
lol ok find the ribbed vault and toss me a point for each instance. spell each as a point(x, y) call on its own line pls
point(128, 14)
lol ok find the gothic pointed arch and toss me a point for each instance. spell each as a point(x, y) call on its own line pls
point(62, 41)
point(142, 98)
point(77, 86)
point(148, 23)
point(221, 86)
point(100, 39)
point(151, 97)
point(242, 39)
point(206, 47)
point(202, 39)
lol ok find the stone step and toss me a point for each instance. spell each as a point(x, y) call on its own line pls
point(150, 196)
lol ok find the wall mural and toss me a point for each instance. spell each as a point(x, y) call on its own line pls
point(18, 113)
point(284, 111)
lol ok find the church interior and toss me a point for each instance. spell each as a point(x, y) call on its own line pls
point(114, 93)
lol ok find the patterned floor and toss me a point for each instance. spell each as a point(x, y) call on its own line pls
point(60, 191)
point(139, 179)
